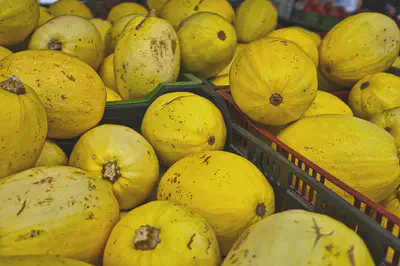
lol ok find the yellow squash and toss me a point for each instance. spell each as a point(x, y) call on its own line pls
point(326, 103)
point(4, 52)
point(317, 240)
point(357, 152)
point(23, 123)
point(106, 72)
point(390, 121)
point(115, 31)
point(396, 63)
point(315, 36)
point(56, 210)
point(18, 18)
point(45, 16)
point(121, 156)
point(112, 95)
point(71, 91)
point(70, 7)
point(180, 123)
point(153, 195)
point(392, 204)
point(273, 81)
point(175, 11)
point(300, 38)
point(102, 26)
point(225, 188)
point(125, 9)
point(51, 155)
point(221, 80)
point(374, 94)
point(238, 49)
point(139, 71)
point(39, 260)
point(359, 45)
point(72, 35)
point(208, 43)
point(157, 5)
point(162, 233)
point(255, 19)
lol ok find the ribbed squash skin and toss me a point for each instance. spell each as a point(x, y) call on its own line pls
point(51, 155)
point(23, 131)
point(40, 260)
point(70, 7)
point(208, 43)
point(125, 9)
point(72, 35)
point(71, 91)
point(357, 152)
point(389, 120)
point(186, 238)
point(326, 103)
point(115, 31)
point(359, 45)
point(225, 188)
point(255, 19)
point(56, 210)
point(175, 11)
point(139, 70)
point(319, 240)
point(18, 18)
point(273, 81)
point(374, 94)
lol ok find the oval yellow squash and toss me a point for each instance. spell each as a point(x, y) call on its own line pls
point(139, 71)
point(374, 94)
point(319, 240)
point(273, 81)
point(51, 155)
point(390, 121)
point(123, 157)
point(39, 260)
point(72, 35)
point(175, 11)
point(300, 38)
point(56, 210)
point(255, 19)
point(315, 36)
point(225, 188)
point(326, 103)
point(208, 43)
point(157, 5)
point(24, 126)
point(221, 80)
point(115, 31)
point(359, 45)
point(125, 9)
point(102, 26)
point(180, 123)
point(70, 7)
point(238, 49)
point(45, 16)
point(71, 91)
point(106, 72)
point(112, 95)
point(355, 151)
point(4, 52)
point(18, 18)
point(162, 233)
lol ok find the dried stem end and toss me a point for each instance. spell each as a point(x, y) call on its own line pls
point(111, 171)
point(147, 238)
point(54, 45)
point(260, 209)
point(14, 85)
point(276, 99)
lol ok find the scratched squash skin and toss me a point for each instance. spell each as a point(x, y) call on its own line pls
point(162, 233)
point(56, 210)
point(39, 260)
point(71, 91)
point(317, 240)
point(147, 53)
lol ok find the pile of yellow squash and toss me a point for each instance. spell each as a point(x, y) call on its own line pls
point(169, 194)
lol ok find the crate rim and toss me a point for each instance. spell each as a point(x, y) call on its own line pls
point(225, 93)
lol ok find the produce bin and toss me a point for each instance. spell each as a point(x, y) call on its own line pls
point(299, 183)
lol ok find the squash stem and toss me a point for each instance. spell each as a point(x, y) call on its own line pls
point(55, 45)
point(147, 238)
point(260, 209)
point(111, 171)
point(14, 85)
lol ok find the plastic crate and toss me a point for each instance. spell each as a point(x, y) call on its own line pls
point(292, 176)
point(132, 114)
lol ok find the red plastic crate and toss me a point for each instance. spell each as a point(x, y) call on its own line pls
point(376, 212)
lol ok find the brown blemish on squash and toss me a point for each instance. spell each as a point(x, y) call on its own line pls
point(221, 35)
point(364, 85)
point(350, 253)
point(90, 216)
point(173, 46)
point(147, 238)
point(111, 171)
point(206, 160)
point(31, 234)
point(388, 129)
point(276, 99)
point(328, 70)
point(190, 242)
point(240, 240)
point(284, 43)
point(54, 45)
point(260, 209)
point(48, 180)
point(14, 85)
point(318, 232)
point(196, 8)
point(22, 208)
point(211, 140)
